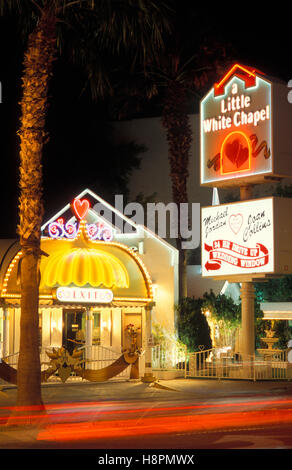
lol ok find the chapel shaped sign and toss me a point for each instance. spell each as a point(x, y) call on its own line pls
point(244, 127)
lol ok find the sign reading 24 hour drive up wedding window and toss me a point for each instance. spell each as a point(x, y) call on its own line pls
point(238, 238)
point(236, 128)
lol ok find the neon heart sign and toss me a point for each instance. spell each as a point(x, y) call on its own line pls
point(80, 208)
point(235, 153)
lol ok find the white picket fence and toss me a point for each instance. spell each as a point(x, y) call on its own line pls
point(169, 356)
point(226, 365)
point(209, 364)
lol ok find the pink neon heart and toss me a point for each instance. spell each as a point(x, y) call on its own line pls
point(81, 208)
point(235, 222)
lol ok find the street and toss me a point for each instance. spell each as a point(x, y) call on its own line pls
point(178, 414)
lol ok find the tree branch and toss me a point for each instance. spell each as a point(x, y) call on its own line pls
point(36, 5)
point(75, 2)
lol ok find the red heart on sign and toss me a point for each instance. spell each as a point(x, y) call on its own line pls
point(231, 150)
point(81, 208)
point(236, 153)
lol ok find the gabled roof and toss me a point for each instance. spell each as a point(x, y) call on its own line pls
point(118, 222)
point(94, 216)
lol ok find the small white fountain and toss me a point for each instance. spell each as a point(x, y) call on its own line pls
point(270, 340)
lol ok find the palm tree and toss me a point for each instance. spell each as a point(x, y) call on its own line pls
point(182, 79)
point(190, 64)
point(175, 81)
point(109, 24)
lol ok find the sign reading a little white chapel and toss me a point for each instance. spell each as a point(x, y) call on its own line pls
point(243, 130)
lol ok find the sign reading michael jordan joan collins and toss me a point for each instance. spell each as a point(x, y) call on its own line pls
point(238, 238)
point(235, 127)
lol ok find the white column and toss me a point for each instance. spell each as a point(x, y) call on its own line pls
point(5, 351)
point(46, 328)
point(117, 328)
point(247, 319)
point(17, 314)
point(148, 375)
point(88, 336)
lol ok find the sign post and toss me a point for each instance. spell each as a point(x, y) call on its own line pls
point(247, 319)
point(247, 300)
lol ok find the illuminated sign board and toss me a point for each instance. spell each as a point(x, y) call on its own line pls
point(245, 130)
point(84, 295)
point(60, 229)
point(248, 239)
point(236, 128)
point(238, 238)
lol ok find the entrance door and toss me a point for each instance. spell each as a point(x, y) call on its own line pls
point(132, 323)
point(73, 329)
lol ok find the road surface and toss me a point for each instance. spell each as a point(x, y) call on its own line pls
point(186, 415)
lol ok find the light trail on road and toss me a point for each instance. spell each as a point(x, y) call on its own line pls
point(102, 424)
point(161, 425)
point(88, 409)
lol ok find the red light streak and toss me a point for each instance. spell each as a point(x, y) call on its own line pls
point(60, 406)
point(89, 427)
point(161, 425)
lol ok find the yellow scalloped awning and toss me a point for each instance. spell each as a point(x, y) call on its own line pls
point(82, 266)
point(82, 262)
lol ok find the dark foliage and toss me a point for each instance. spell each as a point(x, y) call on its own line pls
point(193, 328)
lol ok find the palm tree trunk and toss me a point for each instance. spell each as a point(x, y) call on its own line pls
point(182, 259)
point(38, 62)
point(179, 136)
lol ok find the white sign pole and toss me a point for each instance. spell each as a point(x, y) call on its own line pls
point(247, 302)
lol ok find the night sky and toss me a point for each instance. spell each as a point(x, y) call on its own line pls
point(73, 159)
